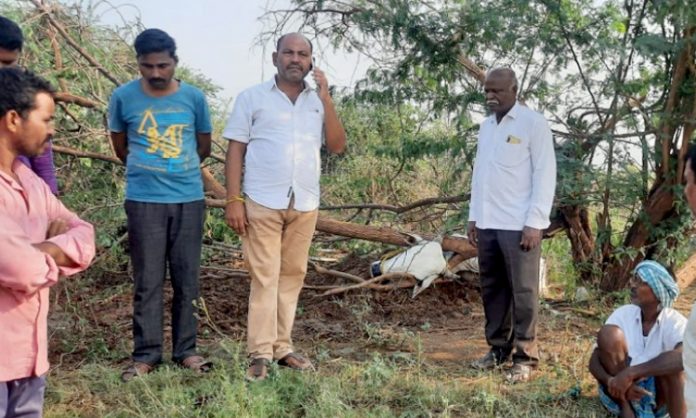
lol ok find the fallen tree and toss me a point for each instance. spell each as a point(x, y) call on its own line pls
point(352, 230)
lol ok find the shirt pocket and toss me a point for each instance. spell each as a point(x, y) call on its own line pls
point(268, 122)
point(512, 152)
point(312, 122)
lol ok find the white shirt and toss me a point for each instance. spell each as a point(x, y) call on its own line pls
point(514, 172)
point(284, 142)
point(667, 332)
point(689, 359)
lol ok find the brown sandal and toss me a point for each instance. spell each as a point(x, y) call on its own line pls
point(196, 363)
point(296, 362)
point(137, 368)
point(258, 369)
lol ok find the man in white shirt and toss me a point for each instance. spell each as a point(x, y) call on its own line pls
point(638, 358)
point(689, 356)
point(276, 131)
point(512, 191)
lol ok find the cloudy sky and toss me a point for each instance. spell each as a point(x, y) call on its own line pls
point(218, 37)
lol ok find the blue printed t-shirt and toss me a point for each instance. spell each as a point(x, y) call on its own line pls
point(163, 164)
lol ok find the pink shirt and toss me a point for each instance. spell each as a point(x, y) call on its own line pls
point(26, 210)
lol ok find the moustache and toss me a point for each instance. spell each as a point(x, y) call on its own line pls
point(156, 80)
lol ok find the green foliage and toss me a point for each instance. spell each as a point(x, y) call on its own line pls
point(395, 158)
point(601, 72)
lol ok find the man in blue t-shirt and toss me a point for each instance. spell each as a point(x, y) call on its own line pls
point(160, 129)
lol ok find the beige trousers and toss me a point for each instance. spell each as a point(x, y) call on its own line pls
point(276, 250)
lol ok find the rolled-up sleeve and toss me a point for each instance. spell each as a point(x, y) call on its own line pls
point(77, 242)
point(24, 268)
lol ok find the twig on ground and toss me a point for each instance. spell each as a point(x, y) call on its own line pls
point(230, 271)
point(365, 283)
point(321, 270)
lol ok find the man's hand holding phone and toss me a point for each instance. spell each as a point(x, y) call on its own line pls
point(321, 82)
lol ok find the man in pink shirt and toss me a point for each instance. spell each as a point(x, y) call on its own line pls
point(41, 240)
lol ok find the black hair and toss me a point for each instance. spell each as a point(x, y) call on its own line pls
point(311, 47)
point(690, 157)
point(11, 37)
point(19, 90)
point(154, 40)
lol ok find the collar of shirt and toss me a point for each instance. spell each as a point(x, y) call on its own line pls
point(16, 164)
point(667, 332)
point(639, 318)
point(512, 113)
point(273, 84)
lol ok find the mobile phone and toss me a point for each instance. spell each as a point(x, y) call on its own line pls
point(311, 67)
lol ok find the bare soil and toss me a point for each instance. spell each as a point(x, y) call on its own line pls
point(447, 318)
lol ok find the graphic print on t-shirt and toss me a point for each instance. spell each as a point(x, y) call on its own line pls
point(168, 143)
point(161, 144)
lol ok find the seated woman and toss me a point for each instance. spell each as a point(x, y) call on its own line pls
point(638, 359)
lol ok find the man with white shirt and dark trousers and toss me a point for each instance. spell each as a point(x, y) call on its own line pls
point(512, 191)
point(276, 131)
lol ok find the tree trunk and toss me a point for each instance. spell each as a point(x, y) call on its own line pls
point(347, 229)
point(658, 208)
point(582, 241)
point(390, 236)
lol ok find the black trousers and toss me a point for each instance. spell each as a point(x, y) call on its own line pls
point(510, 292)
point(162, 235)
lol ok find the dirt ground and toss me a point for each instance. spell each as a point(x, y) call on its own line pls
point(447, 318)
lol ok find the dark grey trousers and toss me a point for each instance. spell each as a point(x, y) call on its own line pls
point(510, 292)
point(161, 235)
point(22, 397)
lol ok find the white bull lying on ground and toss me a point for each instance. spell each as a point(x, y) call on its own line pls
point(425, 261)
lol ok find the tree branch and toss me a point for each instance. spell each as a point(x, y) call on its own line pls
point(74, 44)
point(401, 209)
point(73, 99)
point(85, 154)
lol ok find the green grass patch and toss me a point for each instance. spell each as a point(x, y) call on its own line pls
point(382, 386)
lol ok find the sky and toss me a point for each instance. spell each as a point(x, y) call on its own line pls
point(218, 37)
